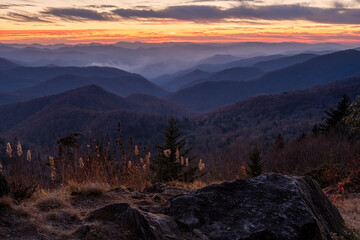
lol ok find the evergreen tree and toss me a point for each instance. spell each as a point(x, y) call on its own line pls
point(255, 167)
point(335, 116)
point(315, 129)
point(173, 161)
point(279, 142)
point(353, 118)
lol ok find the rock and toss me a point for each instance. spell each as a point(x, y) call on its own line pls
point(156, 188)
point(4, 188)
point(83, 231)
point(271, 206)
point(127, 218)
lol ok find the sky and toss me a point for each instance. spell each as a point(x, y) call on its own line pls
point(110, 21)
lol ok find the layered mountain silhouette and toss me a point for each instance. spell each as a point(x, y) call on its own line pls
point(276, 64)
point(183, 80)
point(232, 74)
point(168, 79)
point(7, 65)
point(266, 116)
point(43, 120)
point(22, 77)
point(219, 59)
point(228, 71)
point(319, 70)
point(121, 85)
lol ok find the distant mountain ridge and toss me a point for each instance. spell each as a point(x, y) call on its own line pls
point(22, 77)
point(318, 70)
point(261, 63)
point(7, 65)
point(264, 117)
point(43, 120)
point(138, 56)
point(231, 74)
point(121, 85)
point(276, 64)
point(183, 80)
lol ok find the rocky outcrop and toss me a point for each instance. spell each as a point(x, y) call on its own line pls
point(4, 188)
point(268, 207)
point(271, 206)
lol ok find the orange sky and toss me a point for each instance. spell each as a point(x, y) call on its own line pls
point(72, 22)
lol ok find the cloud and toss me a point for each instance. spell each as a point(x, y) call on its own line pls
point(101, 6)
point(338, 14)
point(76, 14)
point(7, 6)
point(24, 17)
point(271, 12)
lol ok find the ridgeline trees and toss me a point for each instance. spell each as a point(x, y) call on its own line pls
point(335, 116)
point(173, 160)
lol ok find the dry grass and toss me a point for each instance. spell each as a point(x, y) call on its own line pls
point(89, 189)
point(350, 211)
point(194, 185)
point(52, 201)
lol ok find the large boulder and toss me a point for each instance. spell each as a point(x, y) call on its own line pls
point(125, 217)
point(271, 206)
point(4, 188)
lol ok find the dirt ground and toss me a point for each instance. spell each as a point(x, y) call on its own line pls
point(350, 211)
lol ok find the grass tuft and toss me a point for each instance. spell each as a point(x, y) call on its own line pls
point(89, 189)
point(51, 202)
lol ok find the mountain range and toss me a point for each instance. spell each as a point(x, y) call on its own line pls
point(139, 57)
point(270, 63)
point(43, 120)
point(286, 94)
point(208, 96)
point(21, 83)
point(264, 117)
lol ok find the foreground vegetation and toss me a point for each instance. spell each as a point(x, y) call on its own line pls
point(56, 191)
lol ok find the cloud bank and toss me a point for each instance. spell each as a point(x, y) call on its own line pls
point(274, 12)
point(197, 13)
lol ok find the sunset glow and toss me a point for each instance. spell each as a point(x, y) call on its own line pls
point(196, 21)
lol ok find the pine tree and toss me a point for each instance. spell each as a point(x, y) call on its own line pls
point(335, 116)
point(255, 167)
point(279, 142)
point(172, 161)
point(315, 129)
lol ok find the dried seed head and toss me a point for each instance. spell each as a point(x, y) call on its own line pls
point(147, 159)
point(129, 164)
point(201, 165)
point(167, 152)
point(136, 150)
point(28, 155)
point(187, 162)
point(19, 149)
point(182, 161)
point(177, 154)
point(81, 163)
point(53, 174)
point(243, 170)
point(51, 161)
point(9, 149)
point(52, 168)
